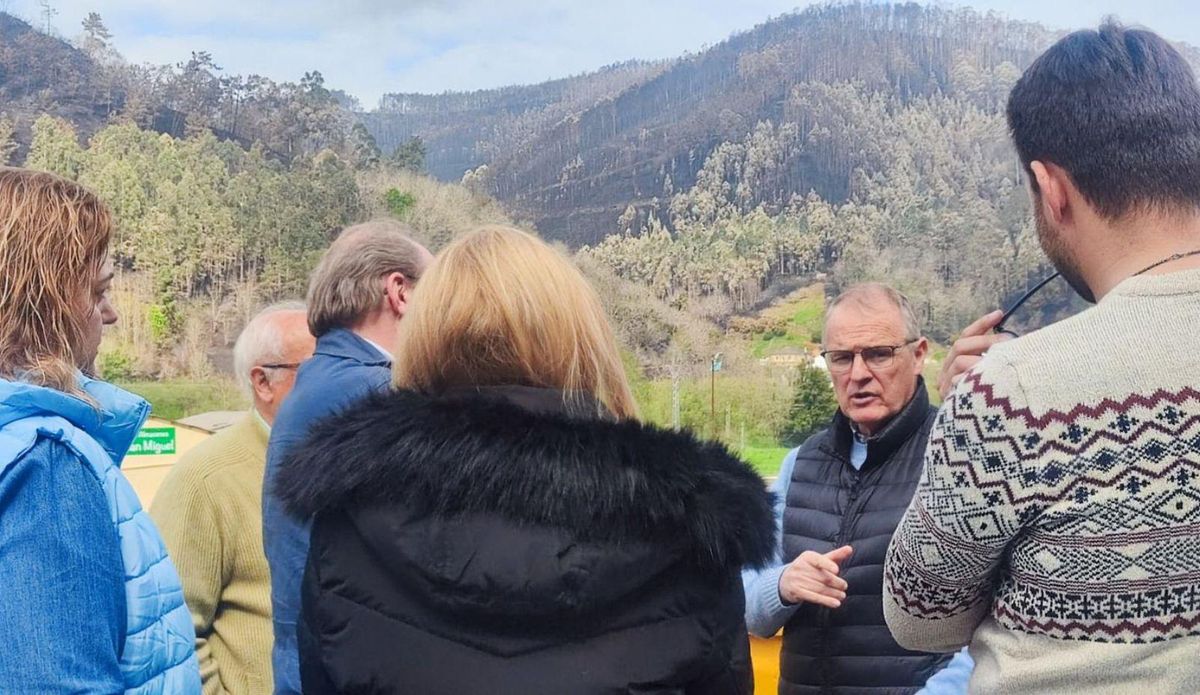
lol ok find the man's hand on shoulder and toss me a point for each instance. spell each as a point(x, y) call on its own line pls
point(813, 578)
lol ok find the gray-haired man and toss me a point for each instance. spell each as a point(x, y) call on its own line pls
point(357, 297)
point(838, 498)
point(209, 510)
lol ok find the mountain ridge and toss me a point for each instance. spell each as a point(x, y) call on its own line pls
point(638, 144)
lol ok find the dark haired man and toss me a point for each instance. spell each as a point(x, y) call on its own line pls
point(1057, 526)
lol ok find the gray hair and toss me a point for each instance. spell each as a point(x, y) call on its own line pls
point(345, 287)
point(868, 295)
point(260, 342)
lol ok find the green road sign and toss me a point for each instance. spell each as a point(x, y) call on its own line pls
point(153, 441)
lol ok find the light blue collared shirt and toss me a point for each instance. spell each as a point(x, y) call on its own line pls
point(377, 346)
point(858, 452)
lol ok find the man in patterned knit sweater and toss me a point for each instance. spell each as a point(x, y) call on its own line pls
point(1057, 526)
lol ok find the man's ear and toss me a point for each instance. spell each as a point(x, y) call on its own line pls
point(260, 382)
point(1055, 188)
point(397, 292)
point(921, 351)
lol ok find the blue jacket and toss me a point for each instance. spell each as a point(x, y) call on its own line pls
point(343, 369)
point(91, 601)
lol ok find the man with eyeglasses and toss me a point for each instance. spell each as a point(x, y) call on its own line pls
point(209, 511)
point(839, 497)
point(1056, 529)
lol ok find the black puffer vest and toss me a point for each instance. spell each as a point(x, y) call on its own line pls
point(829, 504)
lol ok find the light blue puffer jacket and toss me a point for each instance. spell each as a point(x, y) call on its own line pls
point(159, 647)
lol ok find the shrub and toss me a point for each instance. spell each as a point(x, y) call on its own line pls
point(159, 321)
point(115, 365)
point(813, 404)
point(398, 203)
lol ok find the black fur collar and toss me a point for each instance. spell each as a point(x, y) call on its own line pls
point(538, 464)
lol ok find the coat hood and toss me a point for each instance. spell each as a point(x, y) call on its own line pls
point(526, 492)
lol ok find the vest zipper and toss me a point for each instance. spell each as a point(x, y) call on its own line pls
point(826, 614)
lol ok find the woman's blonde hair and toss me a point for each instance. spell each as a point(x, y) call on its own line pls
point(54, 236)
point(501, 307)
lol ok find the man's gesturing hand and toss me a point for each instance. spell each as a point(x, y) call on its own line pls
point(813, 578)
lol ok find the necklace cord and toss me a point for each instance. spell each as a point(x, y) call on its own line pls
point(1168, 259)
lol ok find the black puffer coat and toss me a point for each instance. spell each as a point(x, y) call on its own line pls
point(850, 650)
point(507, 543)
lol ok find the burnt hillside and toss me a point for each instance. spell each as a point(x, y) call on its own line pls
point(574, 164)
point(43, 74)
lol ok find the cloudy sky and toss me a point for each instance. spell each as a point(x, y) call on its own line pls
point(369, 47)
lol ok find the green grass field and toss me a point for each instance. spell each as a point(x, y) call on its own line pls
point(765, 460)
point(804, 312)
point(810, 313)
point(933, 365)
point(173, 399)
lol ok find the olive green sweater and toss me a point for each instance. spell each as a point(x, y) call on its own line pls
point(209, 510)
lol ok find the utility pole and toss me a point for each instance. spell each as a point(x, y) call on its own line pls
point(49, 13)
point(675, 401)
point(712, 393)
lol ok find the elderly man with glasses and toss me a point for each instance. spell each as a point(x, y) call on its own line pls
point(209, 510)
point(839, 497)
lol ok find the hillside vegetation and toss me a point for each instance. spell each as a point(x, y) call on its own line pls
point(575, 153)
point(862, 140)
point(715, 200)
